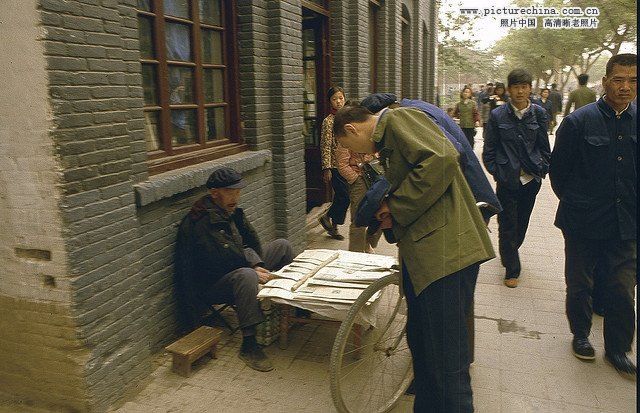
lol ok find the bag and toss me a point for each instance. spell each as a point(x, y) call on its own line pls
point(371, 172)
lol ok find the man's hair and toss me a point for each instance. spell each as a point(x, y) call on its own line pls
point(623, 59)
point(543, 89)
point(519, 76)
point(349, 114)
point(554, 85)
point(583, 79)
point(489, 84)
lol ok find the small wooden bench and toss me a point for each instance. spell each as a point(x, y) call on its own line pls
point(193, 346)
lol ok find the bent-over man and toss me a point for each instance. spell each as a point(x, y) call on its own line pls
point(442, 239)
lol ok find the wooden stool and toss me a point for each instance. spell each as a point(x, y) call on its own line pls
point(193, 346)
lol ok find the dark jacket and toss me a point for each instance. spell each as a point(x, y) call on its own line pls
point(548, 106)
point(512, 144)
point(556, 99)
point(469, 163)
point(205, 251)
point(594, 172)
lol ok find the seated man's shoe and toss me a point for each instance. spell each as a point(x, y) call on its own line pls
point(256, 359)
point(622, 364)
point(583, 349)
point(511, 282)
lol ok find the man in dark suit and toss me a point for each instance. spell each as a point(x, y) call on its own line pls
point(594, 173)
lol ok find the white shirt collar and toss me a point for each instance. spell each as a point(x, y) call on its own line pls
point(520, 113)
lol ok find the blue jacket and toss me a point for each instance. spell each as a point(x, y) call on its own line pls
point(594, 172)
point(471, 168)
point(512, 145)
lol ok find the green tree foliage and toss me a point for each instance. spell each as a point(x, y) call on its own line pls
point(554, 55)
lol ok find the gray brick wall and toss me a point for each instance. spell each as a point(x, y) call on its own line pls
point(110, 227)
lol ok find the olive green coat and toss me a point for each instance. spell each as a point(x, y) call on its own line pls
point(435, 219)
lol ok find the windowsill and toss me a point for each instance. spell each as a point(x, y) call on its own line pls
point(167, 184)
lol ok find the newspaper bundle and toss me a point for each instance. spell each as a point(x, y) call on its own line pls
point(327, 282)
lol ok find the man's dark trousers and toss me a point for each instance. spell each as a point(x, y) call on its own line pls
point(338, 209)
point(438, 339)
point(240, 287)
point(513, 222)
point(618, 258)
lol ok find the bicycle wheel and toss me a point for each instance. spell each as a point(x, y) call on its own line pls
point(370, 365)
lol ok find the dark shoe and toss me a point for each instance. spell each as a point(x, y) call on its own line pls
point(328, 226)
point(256, 359)
point(511, 282)
point(582, 349)
point(622, 364)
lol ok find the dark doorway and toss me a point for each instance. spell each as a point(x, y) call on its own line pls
point(315, 66)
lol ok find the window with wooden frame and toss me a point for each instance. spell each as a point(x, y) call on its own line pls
point(190, 83)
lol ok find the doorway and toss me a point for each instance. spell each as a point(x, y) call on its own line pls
point(315, 64)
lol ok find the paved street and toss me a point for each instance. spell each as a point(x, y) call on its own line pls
point(523, 361)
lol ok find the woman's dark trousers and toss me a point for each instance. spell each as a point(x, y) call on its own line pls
point(338, 209)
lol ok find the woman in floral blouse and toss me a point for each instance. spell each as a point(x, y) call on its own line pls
point(337, 212)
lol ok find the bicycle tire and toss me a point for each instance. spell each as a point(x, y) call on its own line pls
point(343, 403)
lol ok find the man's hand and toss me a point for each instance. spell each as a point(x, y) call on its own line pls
point(477, 124)
point(383, 214)
point(326, 176)
point(263, 274)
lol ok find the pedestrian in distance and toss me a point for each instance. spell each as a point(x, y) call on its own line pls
point(546, 104)
point(467, 111)
point(581, 96)
point(556, 100)
point(594, 174)
point(442, 239)
point(516, 153)
point(337, 211)
point(498, 98)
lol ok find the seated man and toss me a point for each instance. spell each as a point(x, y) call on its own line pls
point(220, 260)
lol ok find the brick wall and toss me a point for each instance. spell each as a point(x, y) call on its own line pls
point(87, 235)
point(37, 328)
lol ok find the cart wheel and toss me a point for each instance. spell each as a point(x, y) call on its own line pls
point(371, 366)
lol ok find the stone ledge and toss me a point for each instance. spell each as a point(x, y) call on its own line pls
point(170, 183)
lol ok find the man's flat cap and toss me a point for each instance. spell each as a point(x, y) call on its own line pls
point(378, 101)
point(225, 178)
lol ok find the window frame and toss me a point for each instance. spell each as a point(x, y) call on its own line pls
point(170, 156)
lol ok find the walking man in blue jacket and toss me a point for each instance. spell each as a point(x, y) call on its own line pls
point(594, 173)
point(516, 152)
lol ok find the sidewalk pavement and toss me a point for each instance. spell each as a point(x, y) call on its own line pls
point(523, 360)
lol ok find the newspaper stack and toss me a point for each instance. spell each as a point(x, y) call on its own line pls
point(327, 282)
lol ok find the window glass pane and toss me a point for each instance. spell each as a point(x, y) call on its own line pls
point(144, 5)
point(180, 85)
point(151, 132)
point(309, 102)
point(214, 123)
point(212, 47)
point(145, 31)
point(149, 76)
point(184, 128)
point(213, 85)
point(308, 43)
point(178, 8)
point(210, 12)
point(178, 42)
